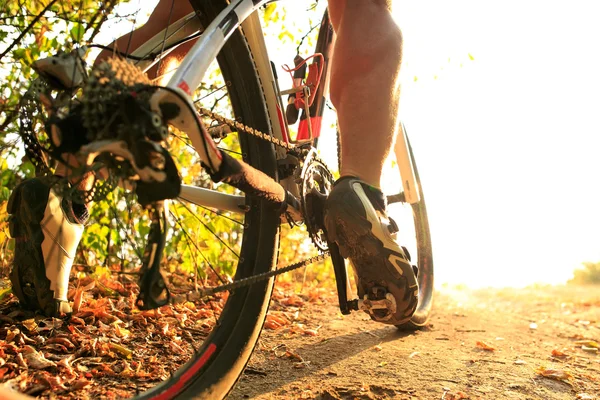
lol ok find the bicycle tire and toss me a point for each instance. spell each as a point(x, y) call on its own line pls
point(424, 250)
point(424, 260)
point(216, 366)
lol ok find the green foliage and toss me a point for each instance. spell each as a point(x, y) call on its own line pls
point(589, 274)
point(201, 242)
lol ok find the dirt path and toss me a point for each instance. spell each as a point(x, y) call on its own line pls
point(532, 331)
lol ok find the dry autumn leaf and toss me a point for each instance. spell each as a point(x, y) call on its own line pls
point(485, 346)
point(559, 353)
point(589, 349)
point(556, 374)
point(585, 396)
point(35, 359)
point(587, 343)
point(275, 322)
point(456, 396)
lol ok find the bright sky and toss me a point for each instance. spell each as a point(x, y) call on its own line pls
point(506, 143)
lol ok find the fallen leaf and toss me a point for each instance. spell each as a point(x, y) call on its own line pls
point(485, 346)
point(65, 363)
point(4, 294)
point(121, 350)
point(293, 301)
point(63, 341)
point(456, 396)
point(589, 349)
point(121, 332)
point(557, 374)
point(79, 384)
point(558, 353)
point(378, 348)
point(588, 343)
point(55, 382)
point(275, 322)
point(311, 332)
point(293, 356)
point(302, 364)
point(21, 361)
point(11, 334)
point(36, 360)
point(585, 396)
point(30, 324)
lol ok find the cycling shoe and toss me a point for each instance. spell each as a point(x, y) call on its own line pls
point(355, 219)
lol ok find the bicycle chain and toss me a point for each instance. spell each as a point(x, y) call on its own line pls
point(238, 126)
point(251, 280)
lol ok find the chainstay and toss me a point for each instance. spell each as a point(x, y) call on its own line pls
point(254, 278)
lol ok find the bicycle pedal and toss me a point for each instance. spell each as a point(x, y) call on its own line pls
point(378, 303)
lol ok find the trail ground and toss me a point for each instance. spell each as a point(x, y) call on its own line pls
point(533, 343)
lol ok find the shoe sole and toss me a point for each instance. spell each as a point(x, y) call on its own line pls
point(348, 226)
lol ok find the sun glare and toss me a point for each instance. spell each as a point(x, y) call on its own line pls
point(501, 107)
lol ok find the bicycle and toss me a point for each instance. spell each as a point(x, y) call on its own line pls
point(277, 180)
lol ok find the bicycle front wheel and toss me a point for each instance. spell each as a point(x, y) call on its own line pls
point(415, 237)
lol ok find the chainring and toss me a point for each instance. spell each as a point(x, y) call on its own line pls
point(316, 184)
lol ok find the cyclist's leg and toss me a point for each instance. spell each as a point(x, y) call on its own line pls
point(364, 84)
point(365, 91)
point(165, 13)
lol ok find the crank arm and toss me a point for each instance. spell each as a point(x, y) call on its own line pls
point(342, 281)
point(257, 184)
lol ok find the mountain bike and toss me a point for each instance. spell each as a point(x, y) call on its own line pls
point(223, 109)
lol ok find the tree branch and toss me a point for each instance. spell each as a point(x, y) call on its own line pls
point(35, 20)
point(9, 118)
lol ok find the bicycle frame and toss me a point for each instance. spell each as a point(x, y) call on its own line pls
point(189, 74)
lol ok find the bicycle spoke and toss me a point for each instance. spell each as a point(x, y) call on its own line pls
point(211, 231)
point(222, 215)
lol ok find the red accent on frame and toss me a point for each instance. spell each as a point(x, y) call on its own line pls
point(189, 374)
point(185, 87)
point(315, 123)
point(282, 124)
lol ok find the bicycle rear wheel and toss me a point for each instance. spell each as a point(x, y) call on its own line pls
point(243, 244)
point(216, 366)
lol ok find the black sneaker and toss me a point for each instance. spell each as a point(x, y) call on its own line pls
point(47, 230)
point(356, 219)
